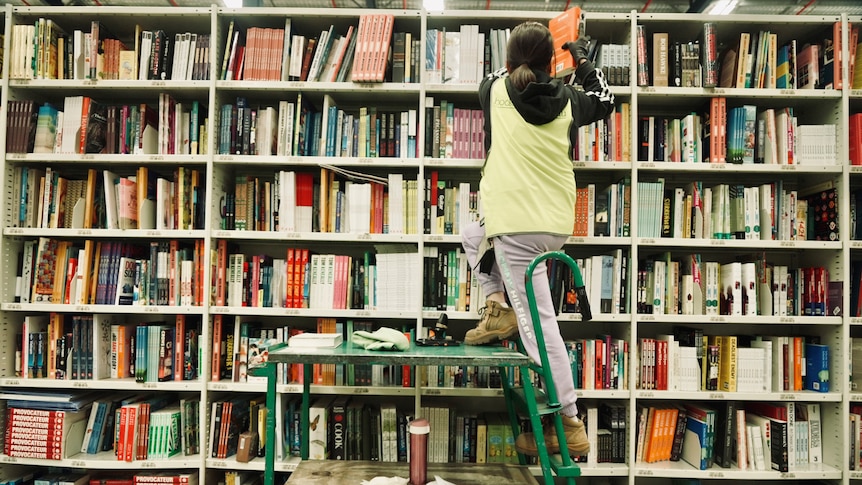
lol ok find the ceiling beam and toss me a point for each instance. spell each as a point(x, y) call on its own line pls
point(698, 6)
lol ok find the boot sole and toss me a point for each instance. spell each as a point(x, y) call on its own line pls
point(490, 336)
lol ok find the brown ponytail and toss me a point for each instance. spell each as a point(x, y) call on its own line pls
point(530, 48)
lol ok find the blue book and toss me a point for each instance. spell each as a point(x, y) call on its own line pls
point(817, 367)
point(695, 449)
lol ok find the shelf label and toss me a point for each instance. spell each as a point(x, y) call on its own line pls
point(717, 319)
point(365, 160)
point(87, 156)
point(85, 232)
point(219, 464)
point(433, 161)
point(15, 230)
point(787, 92)
point(292, 235)
point(149, 385)
point(226, 158)
point(787, 244)
point(646, 394)
point(157, 158)
point(89, 82)
point(579, 393)
point(219, 309)
point(363, 313)
point(10, 459)
point(432, 392)
point(360, 390)
point(154, 233)
point(13, 306)
point(16, 156)
point(647, 89)
point(648, 240)
point(160, 84)
point(718, 166)
point(718, 90)
point(13, 382)
point(151, 309)
point(718, 242)
point(291, 312)
point(787, 475)
point(714, 474)
point(787, 397)
point(80, 384)
point(648, 165)
point(576, 240)
point(647, 318)
point(434, 238)
point(579, 164)
point(78, 463)
point(82, 308)
point(645, 473)
point(148, 464)
point(220, 387)
point(293, 389)
point(716, 395)
point(787, 320)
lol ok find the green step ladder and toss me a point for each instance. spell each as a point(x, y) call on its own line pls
point(537, 403)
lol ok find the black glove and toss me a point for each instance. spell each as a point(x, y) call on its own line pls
point(579, 49)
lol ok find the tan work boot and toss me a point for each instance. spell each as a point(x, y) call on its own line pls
point(576, 439)
point(497, 323)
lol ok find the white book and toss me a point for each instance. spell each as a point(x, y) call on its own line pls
point(318, 414)
point(749, 289)
point(110, 180)
point(396, 204)
point(315, 340)
point(815, 438)
point(731, 287)
point(768, 356)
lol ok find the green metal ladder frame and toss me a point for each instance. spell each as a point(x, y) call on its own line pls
point(539, 403)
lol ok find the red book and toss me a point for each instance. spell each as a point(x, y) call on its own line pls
point(290, 274)
point(179, 347)
point(565, 27)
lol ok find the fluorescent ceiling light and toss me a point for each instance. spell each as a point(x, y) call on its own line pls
point(433, 5)
point(232, 3)
point(722, 7)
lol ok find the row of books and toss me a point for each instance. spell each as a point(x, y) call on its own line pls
point(57, 346)
point(689, 361)
point(351, 203)
point(42, 433)
point(669, 285)
point(106, 273)
point(739, 134)
point(449, 205)
point(229, 420)
point(754, 60)
point(104, 199)
point(361, 54)
point(855, 420)
point(77, 477)
point(80, 347)
point(44, 50)
point(87, 125)
point(452, 132)
point(769, 212)
point(754, 435)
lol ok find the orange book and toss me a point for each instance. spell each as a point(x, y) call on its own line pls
point(565, 27)
point(797, 363)
point(384, 41)
point(179, 347)
point(123, 351)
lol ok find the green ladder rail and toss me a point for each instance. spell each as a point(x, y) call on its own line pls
point(538, 402)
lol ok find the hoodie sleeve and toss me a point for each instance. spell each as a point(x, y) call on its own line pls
point(596, 101)
point(485, 101)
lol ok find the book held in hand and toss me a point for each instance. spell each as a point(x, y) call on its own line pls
point(315, 340)
point(565, 27)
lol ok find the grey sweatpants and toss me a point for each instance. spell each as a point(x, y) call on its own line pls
point(513, 254)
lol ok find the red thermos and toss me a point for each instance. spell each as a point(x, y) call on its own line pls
point(419, 429)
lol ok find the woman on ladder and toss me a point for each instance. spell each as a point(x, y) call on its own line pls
point(528, 199)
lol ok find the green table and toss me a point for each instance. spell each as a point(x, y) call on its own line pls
point(344, 354)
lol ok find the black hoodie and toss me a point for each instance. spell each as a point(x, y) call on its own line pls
point(543, 100)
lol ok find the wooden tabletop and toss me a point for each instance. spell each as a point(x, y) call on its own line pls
point(331, 472)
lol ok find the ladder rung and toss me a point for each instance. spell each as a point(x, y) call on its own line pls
point(542, 406)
